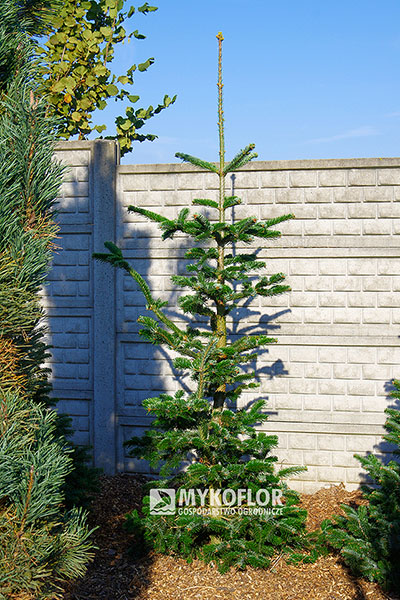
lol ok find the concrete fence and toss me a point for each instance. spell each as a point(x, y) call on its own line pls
point(328, 377)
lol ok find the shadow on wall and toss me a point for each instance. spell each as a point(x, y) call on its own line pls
point(383, 450)
point(244, 322)
point(144, 370)
point(66, 299)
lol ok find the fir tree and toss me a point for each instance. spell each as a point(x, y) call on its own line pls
point(39, 540)
point(204, 429)
point(368, 537)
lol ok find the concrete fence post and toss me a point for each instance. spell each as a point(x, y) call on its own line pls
point(103, 174)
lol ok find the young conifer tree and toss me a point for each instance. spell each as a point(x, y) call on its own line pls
point(368, 537)
point(204, 429)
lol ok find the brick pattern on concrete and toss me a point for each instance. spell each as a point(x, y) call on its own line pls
point(67, 297)
point(326, 380)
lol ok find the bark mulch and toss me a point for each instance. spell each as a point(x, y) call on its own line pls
point(116, 575)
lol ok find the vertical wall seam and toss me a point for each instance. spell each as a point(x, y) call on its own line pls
point(104, 420)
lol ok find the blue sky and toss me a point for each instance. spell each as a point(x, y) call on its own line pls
point(303, 79)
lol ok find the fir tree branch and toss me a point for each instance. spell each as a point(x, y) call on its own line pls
point(198, 162)
point(203, 365)
point(115, 258)
point(231, 201)
point(241, 159)
point(149, 214)
point(205, 202)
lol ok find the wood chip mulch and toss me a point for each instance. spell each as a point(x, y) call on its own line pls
point(116, 575)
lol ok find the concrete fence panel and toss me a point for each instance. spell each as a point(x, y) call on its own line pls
point(327, 379)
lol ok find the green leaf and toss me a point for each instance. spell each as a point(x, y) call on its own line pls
point(106, 31)
point(57, 87)
point(90, 80)
point(125, 125)
point(84, 103)
point(69, 22)
point(123, 79)
point(57, 22)
point(112, 90)
point(146, 8)
point(58, 38)
point(144, 66)
point(133, 99)
point(87, 34)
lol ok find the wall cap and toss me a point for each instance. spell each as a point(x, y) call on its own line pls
point(274, 165)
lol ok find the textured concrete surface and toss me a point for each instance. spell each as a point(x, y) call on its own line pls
point(338, 330)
